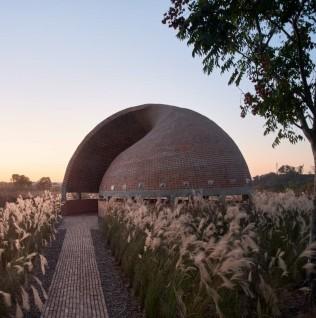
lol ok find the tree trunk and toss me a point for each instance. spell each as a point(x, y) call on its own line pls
point(313, 227)
point(313, 217)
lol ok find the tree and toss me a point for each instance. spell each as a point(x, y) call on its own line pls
point(20, 181)
point(269, 42)
point(286, 169)
point(300, 169)
point(44, 183)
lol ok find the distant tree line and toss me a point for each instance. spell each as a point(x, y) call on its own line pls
point(21, 181)
point(285, 169)
point(286, 177)
point(22, 185)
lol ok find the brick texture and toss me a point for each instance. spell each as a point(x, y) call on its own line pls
point(155, 149)
point(87, 206)
point(76, 291)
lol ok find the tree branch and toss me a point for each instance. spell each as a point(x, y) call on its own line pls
point(315, 94)
point(259, 32)
point(307, 92)
point(313, 19)
point(298, 126)
point(272, 31)
point(304, 126)
point(281, 28)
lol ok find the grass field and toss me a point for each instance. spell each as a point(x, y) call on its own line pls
point(9, 192)
point(26, 227)
point(195, 259)
point(205, 259)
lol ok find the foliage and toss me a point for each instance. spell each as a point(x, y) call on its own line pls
point(283, 182)
point(25, 228)
point(272, 43)
point(286, 169)
point(44, 183)
point(10, 193)
point(21, 181)
point(201, 258)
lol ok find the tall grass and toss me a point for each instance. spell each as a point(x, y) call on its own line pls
point(206, 259)
point(26, 226)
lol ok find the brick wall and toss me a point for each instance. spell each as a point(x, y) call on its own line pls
point(157, 148)
point(86, 206)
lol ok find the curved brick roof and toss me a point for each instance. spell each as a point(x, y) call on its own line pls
point(157, 150)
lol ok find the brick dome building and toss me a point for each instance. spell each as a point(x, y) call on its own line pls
point(157, 150)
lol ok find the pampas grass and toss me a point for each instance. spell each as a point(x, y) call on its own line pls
point(205, 259)
point(26, 226)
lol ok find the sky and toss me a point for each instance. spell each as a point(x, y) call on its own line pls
point(66, 65)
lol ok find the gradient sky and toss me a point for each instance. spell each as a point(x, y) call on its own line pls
point(66, 65)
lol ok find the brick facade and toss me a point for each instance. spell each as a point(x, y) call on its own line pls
point(156, 150)
point(86, 206)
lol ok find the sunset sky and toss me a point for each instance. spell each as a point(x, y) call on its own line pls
point(67, 65)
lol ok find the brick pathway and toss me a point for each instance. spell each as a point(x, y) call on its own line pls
point(75, 291)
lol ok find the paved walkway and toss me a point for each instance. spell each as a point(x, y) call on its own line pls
point(76, 290)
